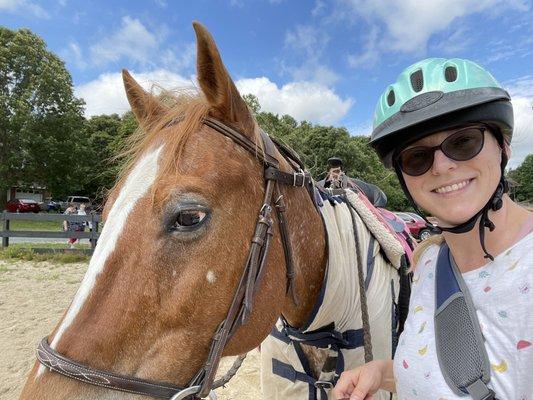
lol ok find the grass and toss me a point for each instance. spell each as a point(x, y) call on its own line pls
point(30, 245)
point(25, 251)
point(22, 225)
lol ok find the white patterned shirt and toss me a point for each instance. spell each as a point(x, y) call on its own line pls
point(502, 293)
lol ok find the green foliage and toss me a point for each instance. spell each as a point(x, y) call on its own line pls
point(253, 103)
point(45, 139)
point(315, 144)
point(20, 252)
point(523, 176)
point(40, 119)
point(103, 139)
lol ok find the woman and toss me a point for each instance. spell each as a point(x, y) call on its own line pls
point(445, 127)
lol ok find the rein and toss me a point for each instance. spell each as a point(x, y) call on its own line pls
point(203, 383)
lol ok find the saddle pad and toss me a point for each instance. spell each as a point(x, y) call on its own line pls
point(380, 230)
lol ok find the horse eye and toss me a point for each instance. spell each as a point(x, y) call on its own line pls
point(188, 219)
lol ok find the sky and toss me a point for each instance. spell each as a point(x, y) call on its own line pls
point(322, 61)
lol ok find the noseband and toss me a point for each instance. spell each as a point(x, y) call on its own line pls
point(203, 383)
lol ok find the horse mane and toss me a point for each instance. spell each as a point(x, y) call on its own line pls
point(422, 247)
point(185, 107)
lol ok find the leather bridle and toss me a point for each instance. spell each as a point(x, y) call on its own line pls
point(203, 383)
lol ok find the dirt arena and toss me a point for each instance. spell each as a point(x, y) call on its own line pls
point(33, 296)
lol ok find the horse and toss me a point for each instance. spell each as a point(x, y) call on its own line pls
point(212, 232)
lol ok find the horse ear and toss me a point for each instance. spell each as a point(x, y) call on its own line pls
point(145, 106)
point(216, 83)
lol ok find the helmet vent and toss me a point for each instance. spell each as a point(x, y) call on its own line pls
point(450, 73)
point(417, 80)
point(391, 98)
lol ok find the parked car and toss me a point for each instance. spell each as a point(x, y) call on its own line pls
point(417, 226)
point(22, 205)
point(76, 201)
point(51, 206)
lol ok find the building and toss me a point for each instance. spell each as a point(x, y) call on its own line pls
point(31, 192)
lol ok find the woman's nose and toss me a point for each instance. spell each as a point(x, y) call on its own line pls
point(441, 163)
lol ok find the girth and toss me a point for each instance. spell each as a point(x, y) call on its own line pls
point(240, 309)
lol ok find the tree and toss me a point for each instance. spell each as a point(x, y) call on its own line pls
point(41, 121)
point(523, 176)
point(106, 137)
point(316, 143)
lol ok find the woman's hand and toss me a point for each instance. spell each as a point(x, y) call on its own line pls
point(361, 383)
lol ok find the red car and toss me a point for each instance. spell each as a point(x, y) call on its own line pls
point(416, 224)
point(23, 205)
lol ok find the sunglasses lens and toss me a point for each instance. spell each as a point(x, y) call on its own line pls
point(416, 160)
point(463, 145)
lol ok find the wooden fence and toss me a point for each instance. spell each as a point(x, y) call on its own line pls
point(92, 234)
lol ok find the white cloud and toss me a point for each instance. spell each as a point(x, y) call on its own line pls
point(309, 42)
point(521, 91)
point(457, 42)
point(106, 95)
point(181, 59)
point(23, 7)
point(302, 100)
point(313, 71)
point(319, 7)
point(307, 39)
point(132, 40)
point(74, 54)
point(370, 54)
point(410, 23)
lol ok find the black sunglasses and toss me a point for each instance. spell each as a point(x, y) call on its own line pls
point(463, 145)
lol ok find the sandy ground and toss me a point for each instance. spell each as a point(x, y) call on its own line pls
point(33, 296)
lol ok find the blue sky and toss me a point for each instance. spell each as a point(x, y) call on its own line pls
point(323, 61)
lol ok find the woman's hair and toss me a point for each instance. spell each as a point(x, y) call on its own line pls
point(422, 247)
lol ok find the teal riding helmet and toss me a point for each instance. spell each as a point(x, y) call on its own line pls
point(437, 94)
point(434, 95)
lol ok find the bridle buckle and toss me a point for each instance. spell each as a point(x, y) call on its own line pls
point(297, 174)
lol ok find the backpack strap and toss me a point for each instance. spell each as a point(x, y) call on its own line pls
point(461, 352)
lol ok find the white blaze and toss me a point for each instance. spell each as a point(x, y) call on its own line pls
point(137, 184)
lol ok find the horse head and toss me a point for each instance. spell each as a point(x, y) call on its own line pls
point(178, 228)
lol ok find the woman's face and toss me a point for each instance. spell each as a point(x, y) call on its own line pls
point(453, 191)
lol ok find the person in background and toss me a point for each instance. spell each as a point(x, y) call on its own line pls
point(337, 179)
point(69, 225)
point(82, 211)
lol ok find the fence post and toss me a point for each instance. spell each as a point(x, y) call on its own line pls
point(94, 232)
point(5, 240)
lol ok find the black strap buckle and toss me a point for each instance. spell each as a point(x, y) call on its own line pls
point(295, 175)
point(324, 385)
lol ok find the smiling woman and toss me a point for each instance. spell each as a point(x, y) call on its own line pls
point(445, 127)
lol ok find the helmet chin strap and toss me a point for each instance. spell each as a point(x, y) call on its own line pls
point(495, 203)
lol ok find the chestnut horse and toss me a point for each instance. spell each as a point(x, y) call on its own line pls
point(179, 223)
